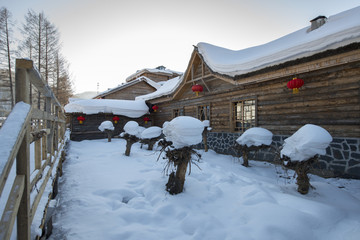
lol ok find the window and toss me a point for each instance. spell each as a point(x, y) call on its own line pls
point(203, 112)
point(244, 115)
point(178, 112)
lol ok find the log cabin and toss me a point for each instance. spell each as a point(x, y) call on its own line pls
point(142, 82)
point(248, 88)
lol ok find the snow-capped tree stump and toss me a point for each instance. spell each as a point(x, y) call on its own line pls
point(181, 134)
point(302, 149)
point(130, 140)
point(108, 128)
point(301, 168)
point(244, 150)
point(253, 139)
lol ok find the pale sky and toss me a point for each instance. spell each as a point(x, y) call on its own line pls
point(105, 41)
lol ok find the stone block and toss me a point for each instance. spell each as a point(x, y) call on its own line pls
point(353, 162)
point(338, 154)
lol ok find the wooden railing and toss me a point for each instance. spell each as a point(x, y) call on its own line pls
point(24, 125)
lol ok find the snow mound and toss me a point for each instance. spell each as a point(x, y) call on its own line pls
point(184, 131)
point(255, 136)
point(106, 125)
point(151, 132)
point(132, 128)
point(306, 142)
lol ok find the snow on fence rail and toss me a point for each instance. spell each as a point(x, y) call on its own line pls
point(23, 126)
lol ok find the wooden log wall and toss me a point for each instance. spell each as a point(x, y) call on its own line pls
point(329, 98)
point(89, 128)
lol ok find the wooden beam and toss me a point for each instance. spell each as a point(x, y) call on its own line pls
point(11, 207)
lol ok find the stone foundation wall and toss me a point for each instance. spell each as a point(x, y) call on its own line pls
point(342, 157)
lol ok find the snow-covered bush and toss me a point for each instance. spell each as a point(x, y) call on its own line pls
point(181, 134)
point(150, 136)
point(253, 139)
point(302, 149)
point(108, 127)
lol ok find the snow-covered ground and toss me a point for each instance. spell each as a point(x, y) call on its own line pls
point(106, 195)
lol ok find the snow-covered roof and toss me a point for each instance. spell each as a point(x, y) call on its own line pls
point(128, 108)
point(167, 88)
point(339, 30)
point(128, 84)
point(152, 70)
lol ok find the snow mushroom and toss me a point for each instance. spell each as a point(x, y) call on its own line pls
point(106, 125)
point(131, 127)
point(151, 132)
point(184, 131)
point(255, 136)
point(306, 142)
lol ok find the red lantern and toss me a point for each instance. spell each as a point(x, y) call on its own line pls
point(116, 119)
point(146, 119)
point(155, 108)
point(81, 119)
point(295, 84)
point(197, 88)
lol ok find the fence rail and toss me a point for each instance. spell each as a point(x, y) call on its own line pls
point(25, 125)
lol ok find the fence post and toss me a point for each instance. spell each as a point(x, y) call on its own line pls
point(49, 125)
point(22, 93)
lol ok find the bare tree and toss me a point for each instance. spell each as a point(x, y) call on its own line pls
point(6, 25)
point(42, 43)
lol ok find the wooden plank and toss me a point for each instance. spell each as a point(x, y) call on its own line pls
point(11, 207)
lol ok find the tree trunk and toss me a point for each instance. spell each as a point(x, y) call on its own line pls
point(176, 181)
point(151, 145)
point(245, 153)
point(109, 134)
point(302, 180)
point(204, 135)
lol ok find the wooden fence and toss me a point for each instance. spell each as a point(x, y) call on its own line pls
point(24, 125)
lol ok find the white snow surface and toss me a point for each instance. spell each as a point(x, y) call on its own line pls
point(167, 88)
point(123, 197)
point(106, 125)
point(10, 131)
point(306, 142)
point(184, 131)
point(339, 30)
point(151, 132)
point(128, 108)
point(132, 128)
point(255, 136)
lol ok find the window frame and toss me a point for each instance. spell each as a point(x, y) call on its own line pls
point(200, 109)
point(243, 121)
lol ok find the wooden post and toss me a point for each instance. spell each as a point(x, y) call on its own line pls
point(49, 138)
point(22, 87)
point(56, 128)
point(38, 154)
